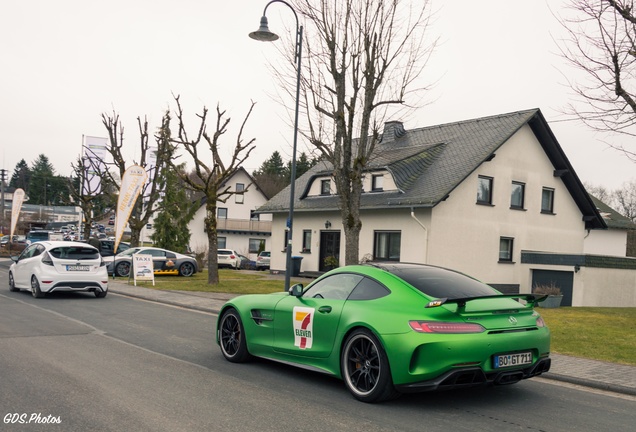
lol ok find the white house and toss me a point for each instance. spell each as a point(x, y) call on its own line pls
point(612, 241)
point(494, 197)
point(238, 226)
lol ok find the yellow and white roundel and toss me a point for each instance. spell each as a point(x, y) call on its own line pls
point(303, 318)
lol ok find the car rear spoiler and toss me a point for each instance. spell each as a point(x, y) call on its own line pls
point(531, 299)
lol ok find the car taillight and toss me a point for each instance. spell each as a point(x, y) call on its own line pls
point(46, 259)
point(232, 257)
point(445, 327)
point(540, 322)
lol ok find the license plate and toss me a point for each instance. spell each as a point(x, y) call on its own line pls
point(78, 268)
point(509, 360)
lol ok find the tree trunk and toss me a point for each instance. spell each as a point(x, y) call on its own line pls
point(213, 244)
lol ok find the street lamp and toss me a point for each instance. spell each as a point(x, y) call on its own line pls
point(263, 34)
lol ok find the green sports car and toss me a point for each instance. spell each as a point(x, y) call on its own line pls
point(392, 328)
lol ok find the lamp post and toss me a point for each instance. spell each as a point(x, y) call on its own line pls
point(263, 34)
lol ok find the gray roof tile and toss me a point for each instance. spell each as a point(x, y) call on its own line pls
point(429, 162)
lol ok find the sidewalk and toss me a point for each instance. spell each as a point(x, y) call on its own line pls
point(574, 370)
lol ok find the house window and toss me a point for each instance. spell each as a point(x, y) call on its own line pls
point(377, 182)
point(257, 245)
point(306, 241)
point(325, 187)
point(484, 190)
point(254, 216)
point(239, 198)
point(517, 195)
point(505, 249)
point(387, 245)
point(547, 200)
point(221, 213)
point(222, 242)
point(286, 237)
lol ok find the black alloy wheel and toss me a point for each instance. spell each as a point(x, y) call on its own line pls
point(12, 283)
point(35, 288)
point(365, 368)
point(186, 269)
point(232, 337)
point(122, 269)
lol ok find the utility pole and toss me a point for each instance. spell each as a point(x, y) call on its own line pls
point(3, 174)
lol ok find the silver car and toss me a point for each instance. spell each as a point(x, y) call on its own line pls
point(262, 261)
point(53, 266)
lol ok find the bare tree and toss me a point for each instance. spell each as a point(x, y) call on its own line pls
point(150, 194)
point(600, 42)
point(209, 178)
point(625, 199)
point(363, 59)
point(84, 192)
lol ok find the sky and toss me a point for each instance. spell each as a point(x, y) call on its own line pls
point(64, 63)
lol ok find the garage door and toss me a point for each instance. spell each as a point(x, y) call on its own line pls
point(562, 279)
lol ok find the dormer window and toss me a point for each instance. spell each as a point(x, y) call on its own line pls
point(325, 187)
point(377, 182)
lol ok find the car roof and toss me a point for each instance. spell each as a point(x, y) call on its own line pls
point(49, 244)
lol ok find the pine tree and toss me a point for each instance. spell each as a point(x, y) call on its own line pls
point(21, 176)
point(171, 224)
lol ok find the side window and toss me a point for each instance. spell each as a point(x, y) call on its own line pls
point(517, 195)
point(256, 245)
point(484, 190)
point(28, 252)
point(505, 249)
point(336, 287)
point(306, 240)
point(368, 289)
point(387, 245)
point(239, 198)
point(547, 200)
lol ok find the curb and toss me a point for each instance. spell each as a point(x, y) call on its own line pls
point(590, 383)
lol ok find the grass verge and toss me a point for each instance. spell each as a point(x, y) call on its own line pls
point(231, 281)
point(607, 334)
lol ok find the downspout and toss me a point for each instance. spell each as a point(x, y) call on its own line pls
point(425, 234)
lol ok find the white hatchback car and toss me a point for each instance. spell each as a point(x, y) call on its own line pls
point(228, 258)
point(54, 266)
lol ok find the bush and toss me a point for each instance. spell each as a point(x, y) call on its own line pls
point(547, 289)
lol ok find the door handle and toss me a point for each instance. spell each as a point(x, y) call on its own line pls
point(324, 309)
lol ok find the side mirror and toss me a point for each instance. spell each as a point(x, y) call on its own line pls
point(296, 290)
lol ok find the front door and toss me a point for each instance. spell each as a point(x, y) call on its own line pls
point(329, 247)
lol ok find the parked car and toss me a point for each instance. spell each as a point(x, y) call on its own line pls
point(106, 250)
point(37, 235)
point(262, 261)
point(163, 260)
point(246, 263)
point(54, 266)
point(391, 328)
point(228, 258)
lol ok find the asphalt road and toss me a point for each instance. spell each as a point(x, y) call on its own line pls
point(82, 363)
